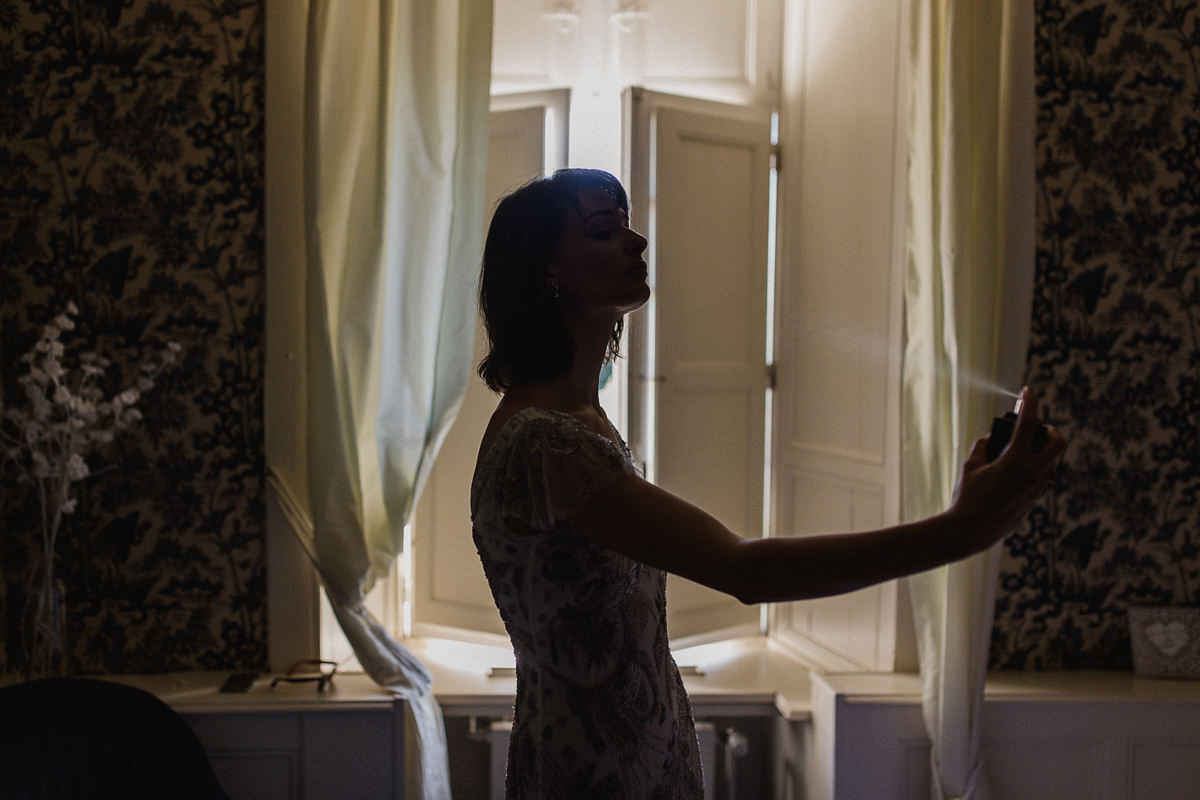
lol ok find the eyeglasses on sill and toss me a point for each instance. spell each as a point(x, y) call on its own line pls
point(297, 673)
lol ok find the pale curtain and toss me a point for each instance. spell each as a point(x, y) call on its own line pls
point(967, 304)
point(396, 117)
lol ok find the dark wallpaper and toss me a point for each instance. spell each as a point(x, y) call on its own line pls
point(131, 149)
point(1115, 345)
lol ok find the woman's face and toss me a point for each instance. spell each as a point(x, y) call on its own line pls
point(599, 265)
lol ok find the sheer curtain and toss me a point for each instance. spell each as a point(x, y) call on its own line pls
point(967, 299)
point(396, 121)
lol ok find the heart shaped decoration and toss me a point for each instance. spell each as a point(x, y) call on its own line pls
point(1168, 637)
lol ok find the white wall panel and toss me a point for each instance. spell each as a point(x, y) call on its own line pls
point(1071, 769)
point(1059, 736)
point(530, 38)
point(1165, 768)
point(680, 40)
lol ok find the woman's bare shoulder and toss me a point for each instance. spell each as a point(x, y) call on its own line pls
point(514, 402)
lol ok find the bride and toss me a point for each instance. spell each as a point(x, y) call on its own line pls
point(575, 544)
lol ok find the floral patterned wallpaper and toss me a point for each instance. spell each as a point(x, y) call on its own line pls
point(1115, 345)
point(131, 149)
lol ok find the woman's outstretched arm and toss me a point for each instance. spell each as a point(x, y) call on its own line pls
point(652, 526)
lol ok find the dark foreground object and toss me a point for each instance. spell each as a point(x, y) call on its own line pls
point(81, 738)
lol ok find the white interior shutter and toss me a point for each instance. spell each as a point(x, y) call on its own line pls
point(840, 286)
point(698, 173)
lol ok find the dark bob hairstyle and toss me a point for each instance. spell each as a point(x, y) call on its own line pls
point(527, 340)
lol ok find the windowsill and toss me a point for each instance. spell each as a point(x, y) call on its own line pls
point(199, 693)
point(749, 676)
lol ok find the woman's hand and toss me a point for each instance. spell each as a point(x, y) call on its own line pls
point(993, 499)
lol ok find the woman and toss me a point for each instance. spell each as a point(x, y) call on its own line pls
point(575, 544)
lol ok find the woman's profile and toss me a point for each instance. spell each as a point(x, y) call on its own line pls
point(576, 545)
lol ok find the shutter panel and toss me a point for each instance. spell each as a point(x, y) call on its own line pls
point(698, 173)
point(841, 266)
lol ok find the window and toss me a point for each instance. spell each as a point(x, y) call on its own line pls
point(438, 585)
point(832, 451)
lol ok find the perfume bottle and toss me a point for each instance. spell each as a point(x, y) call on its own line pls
point(1002, 431)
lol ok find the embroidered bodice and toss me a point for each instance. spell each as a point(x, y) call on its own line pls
point(601, 710)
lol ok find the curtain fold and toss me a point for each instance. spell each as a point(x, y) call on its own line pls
point(395, 131)
point(967, 303)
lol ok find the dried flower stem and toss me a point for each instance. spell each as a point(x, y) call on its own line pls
point(63, 420)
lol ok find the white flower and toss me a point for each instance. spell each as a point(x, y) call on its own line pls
point(65, 415)
point(41, 407)
point(77, 470)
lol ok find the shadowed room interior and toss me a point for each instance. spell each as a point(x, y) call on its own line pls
point(153, 158)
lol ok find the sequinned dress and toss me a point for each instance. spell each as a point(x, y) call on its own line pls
point(601, 711)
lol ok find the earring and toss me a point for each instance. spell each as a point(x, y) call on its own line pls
point(554, 289)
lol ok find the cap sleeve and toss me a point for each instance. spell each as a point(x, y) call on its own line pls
point(551, 467)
